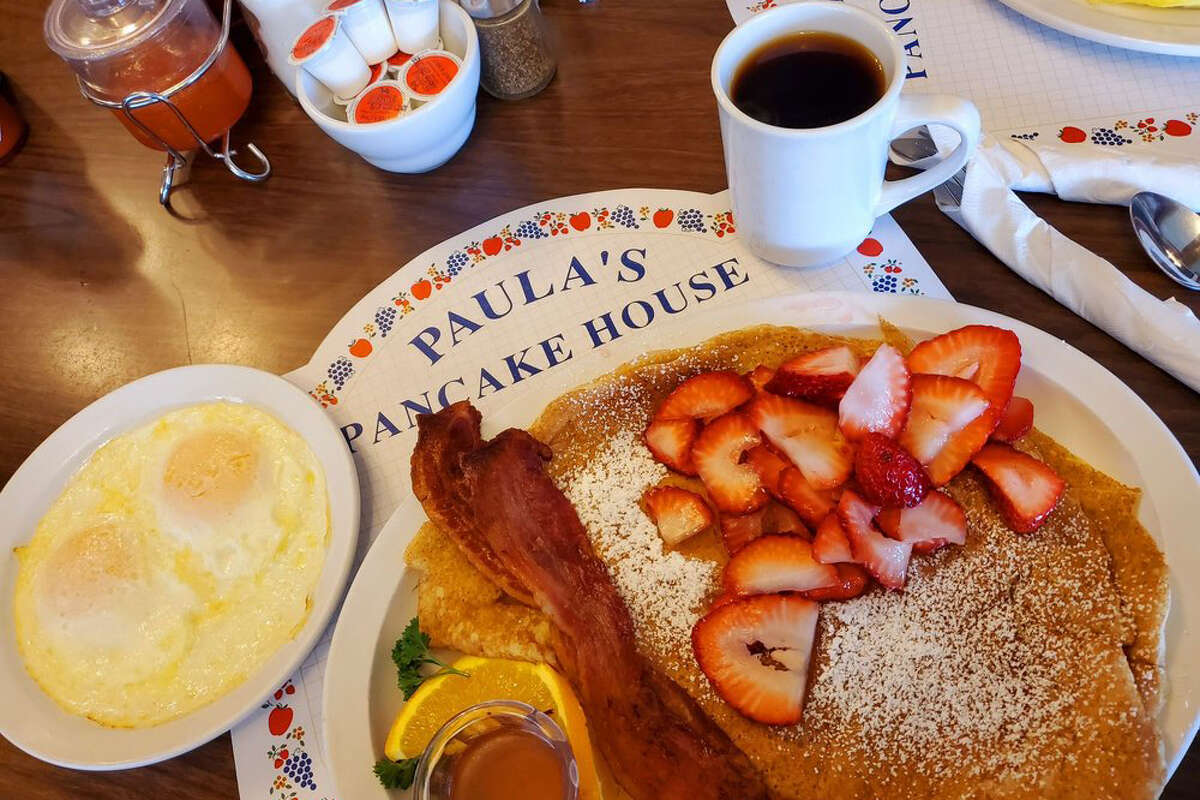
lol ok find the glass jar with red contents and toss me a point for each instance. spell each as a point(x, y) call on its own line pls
point(121, 47)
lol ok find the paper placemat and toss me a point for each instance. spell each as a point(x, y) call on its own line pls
point(1033, 82)
point(482, 316)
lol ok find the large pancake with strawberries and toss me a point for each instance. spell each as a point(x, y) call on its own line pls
point(1017, 665)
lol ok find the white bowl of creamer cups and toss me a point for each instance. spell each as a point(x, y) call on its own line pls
point(424, 137)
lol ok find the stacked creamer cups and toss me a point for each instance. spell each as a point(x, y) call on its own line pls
point(379, 58)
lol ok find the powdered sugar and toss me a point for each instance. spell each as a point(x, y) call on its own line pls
point(664, 590)
point(955, 673)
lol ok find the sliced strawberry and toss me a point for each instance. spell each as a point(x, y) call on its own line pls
point(777, 564)
point(723, 599)
point(887, 475)
point(759, 377)
point(877, 401)
point(821, 376)
point(949, 421)
point(678, 513)
point(983, 354)
point(807, 435)
point(738, 530)
point(884, 558)
point(852, 581)
point(1016, 421)
point(707, 395)
point(830, 545)
point(671, 440)
point(756, 653)
point(769, 465)
point(811, 504)
point(938, 521)
point(1026, 489)
point(717, 455)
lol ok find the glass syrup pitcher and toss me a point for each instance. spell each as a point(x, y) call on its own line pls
point(164, 67)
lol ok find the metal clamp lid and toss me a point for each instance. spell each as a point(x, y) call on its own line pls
point(487, 9)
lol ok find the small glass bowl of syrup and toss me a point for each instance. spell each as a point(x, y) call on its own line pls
point(498, 750)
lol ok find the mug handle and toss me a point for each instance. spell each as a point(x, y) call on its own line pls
point(931, 109)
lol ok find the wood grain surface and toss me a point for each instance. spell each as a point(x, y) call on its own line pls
point(100, 286)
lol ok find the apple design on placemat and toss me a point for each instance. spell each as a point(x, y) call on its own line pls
point(422, 289)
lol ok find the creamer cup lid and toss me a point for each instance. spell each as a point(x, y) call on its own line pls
point(398, 58)
point(313, 39)
point(429, 73)
point(382, 102)
point(340, 5)
point(377, 71)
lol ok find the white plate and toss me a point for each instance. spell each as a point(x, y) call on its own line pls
point(1079, 402)
point(1172, 31)
point(28, 717)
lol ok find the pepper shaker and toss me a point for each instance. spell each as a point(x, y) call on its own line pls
point(517, 60)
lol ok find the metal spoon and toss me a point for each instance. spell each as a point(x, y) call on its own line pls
point(1169, 232)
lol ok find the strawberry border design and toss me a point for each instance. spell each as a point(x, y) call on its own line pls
point(761, 5)
point(887, 277)
point(884, 277)
point(547, 225)
point(290, 761)
point(1149, 130)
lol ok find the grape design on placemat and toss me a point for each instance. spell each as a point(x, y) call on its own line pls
point(340, 371)
point(529, 229)
point(455, 263)
point(692, 220)
point(384, 317)
point(623, 216)
point(1109, 137)
point(298, 768)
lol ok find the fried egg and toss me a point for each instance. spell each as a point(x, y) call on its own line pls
point(176, 561)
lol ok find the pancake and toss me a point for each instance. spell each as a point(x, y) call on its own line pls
point(1015, 666)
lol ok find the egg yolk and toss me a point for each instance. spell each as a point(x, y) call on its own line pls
point(97, 563)
point(211, 472)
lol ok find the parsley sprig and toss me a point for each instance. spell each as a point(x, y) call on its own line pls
point(411, 653)
point(396, 774)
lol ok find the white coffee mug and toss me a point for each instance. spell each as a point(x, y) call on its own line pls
point(806, 197)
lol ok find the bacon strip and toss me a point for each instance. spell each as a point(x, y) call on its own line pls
point(433, 477)
point(497, 498)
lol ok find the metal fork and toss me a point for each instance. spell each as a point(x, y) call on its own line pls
point(918, 146)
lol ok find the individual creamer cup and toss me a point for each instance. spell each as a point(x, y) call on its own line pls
point(384, 101)
point(396, 62)
point(379, 72)
point(414, 24)
point(427, 74)
point(366, 23)
point(326, 53)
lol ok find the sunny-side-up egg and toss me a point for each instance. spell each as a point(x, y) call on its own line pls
point(176, 561)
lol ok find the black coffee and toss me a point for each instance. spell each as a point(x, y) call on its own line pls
point(808, 80)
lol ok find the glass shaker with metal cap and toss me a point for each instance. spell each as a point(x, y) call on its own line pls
point(517, 59)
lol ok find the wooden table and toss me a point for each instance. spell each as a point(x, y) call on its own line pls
point(101, 286)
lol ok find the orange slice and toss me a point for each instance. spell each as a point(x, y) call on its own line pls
point(539, 685)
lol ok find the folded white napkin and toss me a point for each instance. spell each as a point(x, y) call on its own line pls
point(1093, 174)
point(1165, 332)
